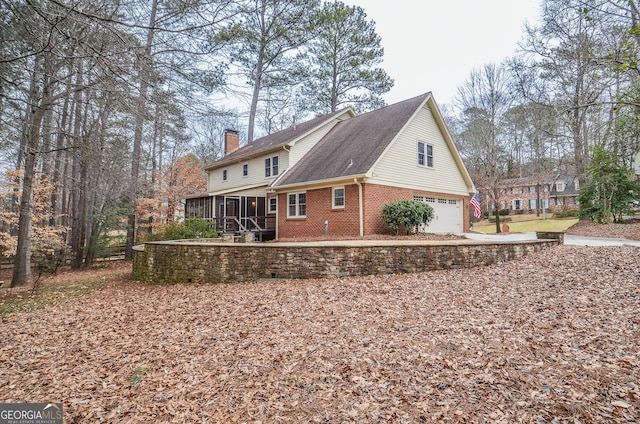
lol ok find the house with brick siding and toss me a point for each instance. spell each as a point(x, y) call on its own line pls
point(553, 192)
point(332, 175)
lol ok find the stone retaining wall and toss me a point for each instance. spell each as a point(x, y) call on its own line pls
point(192, 262)
point(555, 235)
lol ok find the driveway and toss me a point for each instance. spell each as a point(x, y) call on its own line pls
point(568, 239)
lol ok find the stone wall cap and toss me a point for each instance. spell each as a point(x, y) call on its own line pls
point(349, 243)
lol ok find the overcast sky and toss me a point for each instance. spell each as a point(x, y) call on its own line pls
point(433, 45)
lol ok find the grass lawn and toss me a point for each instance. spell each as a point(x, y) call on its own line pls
point(527, 226)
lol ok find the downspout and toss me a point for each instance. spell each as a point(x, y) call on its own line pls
point(360, 206)
point(278, 203)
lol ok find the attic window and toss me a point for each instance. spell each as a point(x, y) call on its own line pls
point(560, 186)
point(425, 154)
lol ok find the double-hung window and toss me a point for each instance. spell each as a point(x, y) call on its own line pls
point(338, 198)
point(245, 169)
point(297, 205)
point(273, 204)
point(425, 154)
point(271, 166)
point(224, 175)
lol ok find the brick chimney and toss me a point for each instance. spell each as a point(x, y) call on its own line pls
point(231, 141)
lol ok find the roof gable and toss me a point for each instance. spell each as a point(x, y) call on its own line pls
point(278, 139)
point(353, 146)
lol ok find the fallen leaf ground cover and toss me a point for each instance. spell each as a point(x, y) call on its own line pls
point(61, 287)
point(552, 336)
point(630, 229)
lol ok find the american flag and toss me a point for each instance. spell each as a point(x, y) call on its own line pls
point(475, 202)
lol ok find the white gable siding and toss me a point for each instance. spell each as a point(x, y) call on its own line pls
point(255, 176)
point(302, 147)
point(399, 165)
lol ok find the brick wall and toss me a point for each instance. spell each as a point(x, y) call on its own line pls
point(192, 262)
point(345, 221)
point(342, 221)
point(375, 197)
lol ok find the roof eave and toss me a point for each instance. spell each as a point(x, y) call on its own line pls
point(452, 147)
point(319, 183)
point(238, 188)
point(291, 143)
point(243, 158)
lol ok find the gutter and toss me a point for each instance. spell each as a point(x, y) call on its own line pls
point(360, 207)
point(328, 182)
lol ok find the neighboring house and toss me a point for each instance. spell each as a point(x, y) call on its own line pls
point(554, 193)
point(332, 175)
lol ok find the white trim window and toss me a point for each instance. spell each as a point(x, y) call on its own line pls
point(297, 205)
point(224, 175)
point(271, 166)
point(245, 169)
point(273, 204)
point(425, 154)
point(338, 198)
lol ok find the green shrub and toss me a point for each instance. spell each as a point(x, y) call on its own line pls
point(569, 213)
point(190, 228)
point(110, 231)
point(409, 214)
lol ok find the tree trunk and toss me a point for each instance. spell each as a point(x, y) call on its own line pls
point(56, 196)
point(257, 83)
point(27, 127)
point(538, 205)
point(22, 263)
point(144, 74)
point(254, 101)
point(76, 181)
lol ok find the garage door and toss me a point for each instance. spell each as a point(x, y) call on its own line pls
point(447, 214)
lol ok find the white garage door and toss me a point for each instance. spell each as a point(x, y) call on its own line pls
point(447, 215)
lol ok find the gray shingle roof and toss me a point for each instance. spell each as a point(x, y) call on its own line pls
point(354, 145)
point(273, 141)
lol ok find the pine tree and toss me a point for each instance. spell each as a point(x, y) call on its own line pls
point(345, 52)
